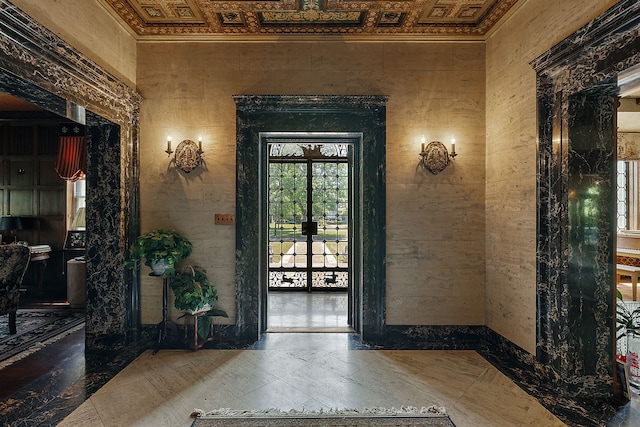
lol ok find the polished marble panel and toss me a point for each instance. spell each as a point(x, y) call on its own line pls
point(577, 82)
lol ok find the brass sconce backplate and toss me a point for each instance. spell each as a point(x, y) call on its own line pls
point(188, 155)
point(435, 157)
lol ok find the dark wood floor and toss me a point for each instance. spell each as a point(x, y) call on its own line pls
point(46, 386)
point(67, 351)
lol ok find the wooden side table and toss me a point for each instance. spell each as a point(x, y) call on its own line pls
point(194, 342)
point(40, 255)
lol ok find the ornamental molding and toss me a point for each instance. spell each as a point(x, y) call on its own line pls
point(152, 19)
point(35, 54)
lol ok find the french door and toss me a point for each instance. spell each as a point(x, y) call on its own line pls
point(309, 216)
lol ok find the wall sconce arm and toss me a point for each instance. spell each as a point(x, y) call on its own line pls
point(168, 150)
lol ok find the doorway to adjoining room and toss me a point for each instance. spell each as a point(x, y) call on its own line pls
point(309, 216)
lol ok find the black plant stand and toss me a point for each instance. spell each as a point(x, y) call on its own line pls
point(165, 324)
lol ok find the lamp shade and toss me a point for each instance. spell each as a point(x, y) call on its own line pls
point(11, 223)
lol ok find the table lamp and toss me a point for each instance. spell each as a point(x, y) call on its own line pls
point(11, 223)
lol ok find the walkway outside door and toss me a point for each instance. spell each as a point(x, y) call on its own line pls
point(309, 214)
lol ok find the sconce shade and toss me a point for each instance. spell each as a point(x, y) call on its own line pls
point(79, 221)
point(11, 223)
point(71, 162)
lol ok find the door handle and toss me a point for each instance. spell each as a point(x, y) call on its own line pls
point(309, 227)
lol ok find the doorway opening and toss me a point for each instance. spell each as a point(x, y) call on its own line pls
point(359, 120)
point(309, 222)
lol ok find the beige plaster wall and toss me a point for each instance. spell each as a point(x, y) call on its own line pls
point(511, 158)
point(435, 224)
point(89, 28)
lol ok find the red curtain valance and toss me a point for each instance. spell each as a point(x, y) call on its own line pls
point(72, 152)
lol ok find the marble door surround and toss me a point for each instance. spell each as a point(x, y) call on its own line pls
point(37, 66)
point(577, 87)
point(364, 116)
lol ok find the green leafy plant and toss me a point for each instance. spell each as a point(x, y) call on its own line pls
point(626, 319)
point(193, 289)
point(156, 245)
point(194, 292)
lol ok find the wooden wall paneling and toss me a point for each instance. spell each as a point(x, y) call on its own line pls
point(51, 202)
point(20, 202)
point(21, 172)
point(20, 140)
point(47, 175)
point(31, 188)
point(47, 141)
point(52, 232)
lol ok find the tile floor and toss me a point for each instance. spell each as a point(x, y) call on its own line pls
point(308, 371)
point(291, 312)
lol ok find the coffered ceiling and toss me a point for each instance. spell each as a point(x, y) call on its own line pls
point(179, 19)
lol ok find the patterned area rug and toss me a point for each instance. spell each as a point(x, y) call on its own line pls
point(406, 416)
point(36, 329)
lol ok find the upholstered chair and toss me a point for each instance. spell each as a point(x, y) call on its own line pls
point(14, 260)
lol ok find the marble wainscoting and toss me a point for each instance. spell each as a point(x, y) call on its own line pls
point(224, 336)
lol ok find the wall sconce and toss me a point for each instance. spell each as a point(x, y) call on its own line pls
point(188, 155)
point(435, 157)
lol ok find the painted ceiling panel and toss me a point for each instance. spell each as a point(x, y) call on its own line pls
point(182, 18)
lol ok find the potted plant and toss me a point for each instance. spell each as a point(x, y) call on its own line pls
point(161, 249)
point(196, 294)
point(626, 318)
point(629, 326)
